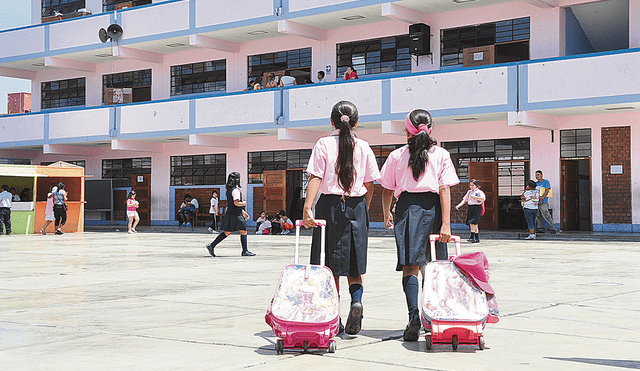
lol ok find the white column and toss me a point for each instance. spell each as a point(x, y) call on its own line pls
point(36, 11)
point(160, 182)
point(95, 6)
point(634, 23)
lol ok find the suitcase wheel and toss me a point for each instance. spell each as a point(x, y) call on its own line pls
point(332, 347)
point(280, 346)
point(481, 342)
point(429, 343)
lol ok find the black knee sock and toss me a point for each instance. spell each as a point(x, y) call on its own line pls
point(243, 241)
point(356, 292)
point(410, 286)
point(477, 237)
point(472, 236)
point(218, 239)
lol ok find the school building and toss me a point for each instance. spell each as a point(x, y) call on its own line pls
point(150, 94)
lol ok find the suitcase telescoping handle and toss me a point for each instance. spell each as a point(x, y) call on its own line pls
point(436, 237)
point(322, 223)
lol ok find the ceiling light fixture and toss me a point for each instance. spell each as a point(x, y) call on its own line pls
point(39, 64)
point(103, 55)
point(618, 108)
point(258, 133)
point(466, 119)
point(176, 139)
point(255, 33)
point(175, 45)
point(352, 17)
point(462, 1)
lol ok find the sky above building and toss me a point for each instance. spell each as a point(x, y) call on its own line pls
point(15, 13)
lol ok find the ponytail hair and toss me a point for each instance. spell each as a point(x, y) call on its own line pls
point(233, 181)
point(344, 117)
point(421, 143)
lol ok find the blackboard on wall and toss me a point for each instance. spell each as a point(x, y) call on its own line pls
point(98, 194)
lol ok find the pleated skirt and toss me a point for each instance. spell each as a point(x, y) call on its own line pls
point(346, 235)
point(417, 216)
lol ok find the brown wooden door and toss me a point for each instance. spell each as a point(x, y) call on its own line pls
point(142, 185)
point(486, 173)
point(569, 204)
point(274, 191)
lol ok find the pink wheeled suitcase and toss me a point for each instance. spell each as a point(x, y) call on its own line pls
point(305, 310)
point(453, 308)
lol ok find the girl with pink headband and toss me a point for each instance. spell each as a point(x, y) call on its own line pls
point(342, 169)
point(419, 176)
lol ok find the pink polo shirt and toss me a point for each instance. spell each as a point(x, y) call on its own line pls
point(323, 165)
point(396, 174)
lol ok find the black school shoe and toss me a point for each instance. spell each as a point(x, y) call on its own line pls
point(354, 321)
point(210, 249)
point(248, 253)
point(412, 332)
point(341, 327)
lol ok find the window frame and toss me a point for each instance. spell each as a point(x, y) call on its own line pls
point(371, 63)
point(198, 168)
point(126, 168)
point(198, 70)
point(63, 91)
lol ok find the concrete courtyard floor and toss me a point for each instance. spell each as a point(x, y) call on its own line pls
point(158, 301)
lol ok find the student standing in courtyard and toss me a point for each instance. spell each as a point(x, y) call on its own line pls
point(60, 206)
point(234, 217)
point(474, 198)
point(419, 175)
point(342, 169)
point(49, 216)
point(213, 211)
point(132, 212)
point(5, 209)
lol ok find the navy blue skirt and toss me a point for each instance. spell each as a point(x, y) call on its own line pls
point(346, 236)
point(474, 213)
point(232, 223)
point(417, 216)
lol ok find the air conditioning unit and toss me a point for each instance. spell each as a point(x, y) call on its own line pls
point(118, 95)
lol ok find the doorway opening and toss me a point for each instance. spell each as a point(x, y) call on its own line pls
point(575, 205)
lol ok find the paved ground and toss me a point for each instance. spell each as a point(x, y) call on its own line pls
point(157, 301)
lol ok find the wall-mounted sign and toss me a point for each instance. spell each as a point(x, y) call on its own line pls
point(616, 169)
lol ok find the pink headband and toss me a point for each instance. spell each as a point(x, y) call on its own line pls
point(412, 129)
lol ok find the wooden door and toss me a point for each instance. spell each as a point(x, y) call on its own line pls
point(569, 205)
point(486, 173)
point(142, 185)
point(274, 191)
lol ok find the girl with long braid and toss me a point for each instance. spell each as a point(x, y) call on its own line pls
point(419, 176)
point(342, 169)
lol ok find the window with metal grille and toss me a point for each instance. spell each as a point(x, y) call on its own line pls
point(49, 7)
point(575, 143)
point(276, 160)
point(81, 163)
point(370, 57)
point(139, 81)
point(109, 5)
point(511, 174)
point(199, 77)
point(121, 170)
point(63, 93)
point(454, 40)
point(382, 152)
point(199, 169)
point(298, 61)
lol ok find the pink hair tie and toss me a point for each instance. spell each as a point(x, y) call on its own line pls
point(412, 129)
point(344, 118)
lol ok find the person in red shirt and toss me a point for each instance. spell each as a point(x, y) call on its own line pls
point(350, 74)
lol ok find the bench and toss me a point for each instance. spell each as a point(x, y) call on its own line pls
point(202, 216)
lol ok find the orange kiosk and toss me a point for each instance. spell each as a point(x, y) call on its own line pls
point(73, 178)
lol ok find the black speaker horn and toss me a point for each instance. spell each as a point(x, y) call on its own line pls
point(114, 31)
point(102, 34)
